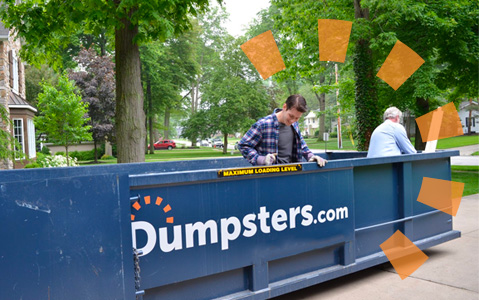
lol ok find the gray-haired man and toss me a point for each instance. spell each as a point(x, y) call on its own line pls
point(390, 137)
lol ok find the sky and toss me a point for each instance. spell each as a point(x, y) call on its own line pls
point(242, 12)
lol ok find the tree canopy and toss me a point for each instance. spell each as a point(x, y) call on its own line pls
point(97, 86)
point(62, 114)
point(47, 26)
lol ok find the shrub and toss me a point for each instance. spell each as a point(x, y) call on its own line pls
point(49, 161)
point(46, 150)
point(107, 157)
point(85, 155)
point(58, 161)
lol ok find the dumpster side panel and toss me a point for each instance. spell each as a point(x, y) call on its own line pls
point(433, 223)
point(266, 227)
point(386, 201)
point(66, 238)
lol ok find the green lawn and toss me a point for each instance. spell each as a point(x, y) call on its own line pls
point(177, 154)
point(458, 141)
point(332, 144)
point(469, 175)
point(188, 154)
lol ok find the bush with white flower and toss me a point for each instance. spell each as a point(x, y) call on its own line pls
point(58, 161)
point(52, 161)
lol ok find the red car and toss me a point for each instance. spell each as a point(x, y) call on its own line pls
point(164, 144)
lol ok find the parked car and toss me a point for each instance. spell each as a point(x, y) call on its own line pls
point(205, 143)
point(164, 144)
point(217, 143)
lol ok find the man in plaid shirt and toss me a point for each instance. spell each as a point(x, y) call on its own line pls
point(276, 139)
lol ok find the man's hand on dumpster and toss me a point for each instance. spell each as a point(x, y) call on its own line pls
point(270, 159)
point(321, 162)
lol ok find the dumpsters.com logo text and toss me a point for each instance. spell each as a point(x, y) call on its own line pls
point(231, 228)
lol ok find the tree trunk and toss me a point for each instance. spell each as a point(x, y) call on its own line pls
point(422, 106)
point(225, 143)
point(366, 99)
point(150, 114)
point(96, 151)
point(194, 101)
point(68, 156)
point(167, 123)
point(130, 117)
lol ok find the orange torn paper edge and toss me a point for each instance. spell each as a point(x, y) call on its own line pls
point(443, 195)
point(440, 123)
point(404, 256)
point(400, 64)
point(333, 36)
point(264, 54)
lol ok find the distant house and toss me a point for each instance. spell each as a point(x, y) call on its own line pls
point(311, 123)
point(468, 113)
point(12, 96)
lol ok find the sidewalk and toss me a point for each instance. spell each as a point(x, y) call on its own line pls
point(451, 272)
point(466, 159)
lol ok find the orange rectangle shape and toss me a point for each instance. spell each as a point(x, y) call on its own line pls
point(404, 256)
point(333, 36)
point(158, 200)
point(167, 208)
point(136, 205)
point(147, 199)
point(443, 195)
point(400, 64)
point(449, 126)
point(264, 54)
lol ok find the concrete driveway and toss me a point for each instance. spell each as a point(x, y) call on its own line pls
point(451, 272)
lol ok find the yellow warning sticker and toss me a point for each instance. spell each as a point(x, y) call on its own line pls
point(260, 170)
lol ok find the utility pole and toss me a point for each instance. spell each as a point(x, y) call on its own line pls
point(340, 142)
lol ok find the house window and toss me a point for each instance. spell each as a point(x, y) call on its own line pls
point(18, 134)
point(472, 120)
point(31, 139)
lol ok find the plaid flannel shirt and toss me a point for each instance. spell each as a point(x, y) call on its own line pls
point(262, 139)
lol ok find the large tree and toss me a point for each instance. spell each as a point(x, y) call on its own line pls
point(46, 27)
point(233, 93)
point(443, 33)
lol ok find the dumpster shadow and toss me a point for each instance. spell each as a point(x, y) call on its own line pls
point(364, 277)
point(324, 289)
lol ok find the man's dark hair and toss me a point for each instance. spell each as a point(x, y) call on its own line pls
point(296, 101)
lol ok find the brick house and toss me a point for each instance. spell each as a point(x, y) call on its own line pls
point(12, 96)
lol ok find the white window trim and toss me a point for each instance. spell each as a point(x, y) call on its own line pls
point(15, 86)
point(32, 152)
point(23, 137)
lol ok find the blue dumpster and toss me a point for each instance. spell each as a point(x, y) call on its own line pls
point(209, 229)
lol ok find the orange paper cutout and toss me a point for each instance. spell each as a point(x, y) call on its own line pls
point(136, 205)
point(404, 256)
point(432, 127)
point(264, 54)
point(400, 64)
point(147, 200)
point(167, 208)
point(333, 38)
point(443, 195)
point(158, 200)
